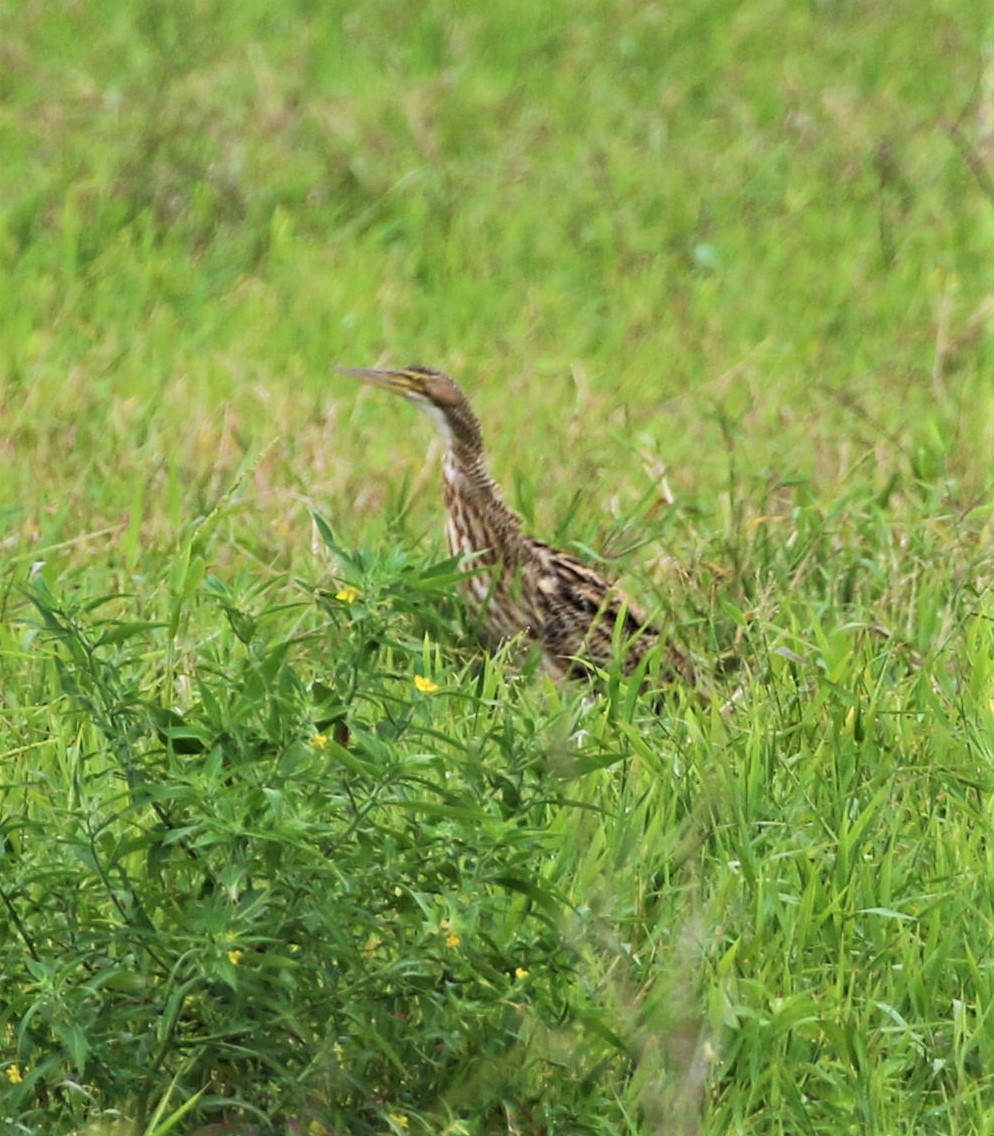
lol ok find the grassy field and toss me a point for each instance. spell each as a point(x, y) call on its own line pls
point(281, 850)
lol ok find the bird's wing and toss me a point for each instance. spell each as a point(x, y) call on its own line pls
point(578, 610)
point(578, 618)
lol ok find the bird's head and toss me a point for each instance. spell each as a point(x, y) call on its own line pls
point(419, 384)
point(434, 392)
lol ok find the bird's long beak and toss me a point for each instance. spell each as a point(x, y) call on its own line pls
point(400, 381)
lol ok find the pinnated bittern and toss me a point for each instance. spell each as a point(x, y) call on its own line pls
point(521, 585)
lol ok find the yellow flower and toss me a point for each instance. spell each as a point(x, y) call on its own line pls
point(425, 685)
point(316, 1128)
point(14, 1074)
point(452, 940)
point(319, 741)
point(399, 1119)
point(520, 973)
point(348, 594)
point(235, 956)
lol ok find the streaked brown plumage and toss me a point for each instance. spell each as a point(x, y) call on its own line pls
point(521, 585)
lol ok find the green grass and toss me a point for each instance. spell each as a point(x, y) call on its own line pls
point(252, 877)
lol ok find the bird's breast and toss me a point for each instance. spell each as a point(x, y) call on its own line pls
point(473, 532)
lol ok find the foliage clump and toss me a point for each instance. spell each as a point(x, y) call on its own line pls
point(275, 896)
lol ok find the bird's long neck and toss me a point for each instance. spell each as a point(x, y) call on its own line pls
point(478, 519)
point(465, 467)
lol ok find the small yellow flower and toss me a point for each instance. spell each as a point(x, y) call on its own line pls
point(14, 1074)
point(235, 956)
point(425, 685)
point(316, 1128)
point(319, 741)
point(348, 594)
point(520, 973)
point(399, 1119)
point(452, 940)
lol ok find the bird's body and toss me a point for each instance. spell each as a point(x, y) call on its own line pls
point(520, 585)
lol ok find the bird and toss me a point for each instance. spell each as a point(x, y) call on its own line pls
point(520, 585)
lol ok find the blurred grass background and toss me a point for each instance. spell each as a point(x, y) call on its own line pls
point(614, 222)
